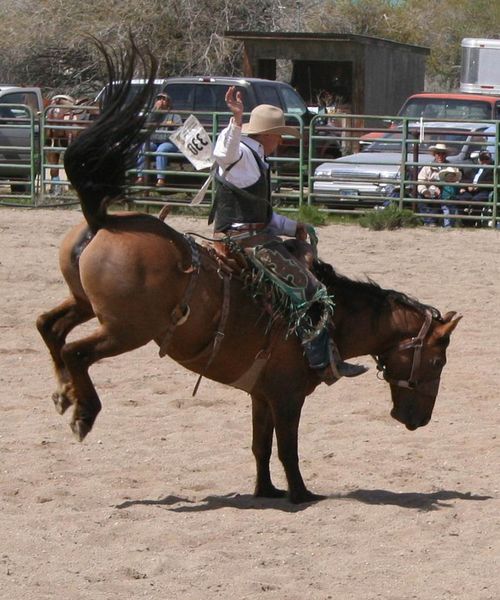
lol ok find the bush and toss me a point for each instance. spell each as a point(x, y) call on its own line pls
point(390, 217)
point(306, 214)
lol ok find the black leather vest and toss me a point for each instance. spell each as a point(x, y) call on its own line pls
point(242, 205)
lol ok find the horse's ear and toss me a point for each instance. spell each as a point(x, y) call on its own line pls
point(450, 322)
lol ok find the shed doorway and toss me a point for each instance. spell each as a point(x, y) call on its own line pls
point(324, 83)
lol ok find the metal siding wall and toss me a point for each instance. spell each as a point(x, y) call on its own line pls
point(391, 76)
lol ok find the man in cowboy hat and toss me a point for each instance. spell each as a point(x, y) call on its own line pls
point(243, 213)
point(428, 176)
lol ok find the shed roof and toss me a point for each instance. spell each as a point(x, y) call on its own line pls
point(294, 36)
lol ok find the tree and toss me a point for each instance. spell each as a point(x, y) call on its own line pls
point(51, 47)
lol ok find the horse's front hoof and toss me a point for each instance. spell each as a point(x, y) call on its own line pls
point(61, 402)
point(305, 497)
point(80, 428)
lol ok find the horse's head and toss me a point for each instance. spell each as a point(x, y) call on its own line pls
point(413, 370)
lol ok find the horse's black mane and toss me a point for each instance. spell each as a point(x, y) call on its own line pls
point(379, 297)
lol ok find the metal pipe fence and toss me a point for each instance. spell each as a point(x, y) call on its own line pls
point(380, 167)
point(19, 155)
point(343, 164)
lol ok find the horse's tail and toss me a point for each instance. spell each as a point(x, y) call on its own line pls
point(97, 161)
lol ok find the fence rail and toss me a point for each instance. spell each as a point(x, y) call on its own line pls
point(343, 164)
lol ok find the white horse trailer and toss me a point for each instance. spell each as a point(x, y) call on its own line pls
point(480, 69)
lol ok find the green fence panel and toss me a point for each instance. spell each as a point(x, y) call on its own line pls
point(368, 177)
point(19, 155)
point(306, 170)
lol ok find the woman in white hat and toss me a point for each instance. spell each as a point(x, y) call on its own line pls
point(242, 212)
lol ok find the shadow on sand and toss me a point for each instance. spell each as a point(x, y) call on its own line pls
point(413, 500)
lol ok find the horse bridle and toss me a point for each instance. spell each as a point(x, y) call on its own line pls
point(413, 382)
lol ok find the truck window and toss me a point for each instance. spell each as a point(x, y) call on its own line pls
point(293, 103)
point(269, 95)
point(16, 112)
point(181, 95)
point(204, 98)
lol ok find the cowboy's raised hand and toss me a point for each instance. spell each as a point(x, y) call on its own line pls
point(234, 102)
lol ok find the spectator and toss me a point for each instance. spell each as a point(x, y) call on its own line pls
point(475, 194)
point(449, 191)
point(159, 141)
point(428, 176)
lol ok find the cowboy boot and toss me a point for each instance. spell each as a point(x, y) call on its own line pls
point(324, 358)
point(339, 367)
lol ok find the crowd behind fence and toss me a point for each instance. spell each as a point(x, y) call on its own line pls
point(343, 164)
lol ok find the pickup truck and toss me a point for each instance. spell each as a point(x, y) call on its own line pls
point(18, 136)
point(206, 95)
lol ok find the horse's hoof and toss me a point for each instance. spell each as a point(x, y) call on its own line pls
point(270, 492)
point(305, 497)
point(61, 402)
point(80, 428)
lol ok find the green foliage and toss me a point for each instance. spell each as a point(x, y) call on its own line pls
point(390, 217)
point(311, 214)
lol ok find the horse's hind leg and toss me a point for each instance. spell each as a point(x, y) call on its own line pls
point(78, 357)
point(262, 441)
point(54, 326)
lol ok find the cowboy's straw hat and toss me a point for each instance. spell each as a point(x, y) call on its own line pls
point(450, 175)
point(441, 148)
point(266, 119)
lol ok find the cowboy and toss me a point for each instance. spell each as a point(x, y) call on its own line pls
point(242, 213)
point(428, 176)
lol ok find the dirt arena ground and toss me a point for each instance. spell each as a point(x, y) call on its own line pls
point(157, 502)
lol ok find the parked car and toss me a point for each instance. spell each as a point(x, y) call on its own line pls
point(367, 178)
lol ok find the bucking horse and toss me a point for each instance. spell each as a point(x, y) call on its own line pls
point(143, 280)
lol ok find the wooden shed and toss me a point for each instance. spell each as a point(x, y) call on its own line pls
point(363, 75)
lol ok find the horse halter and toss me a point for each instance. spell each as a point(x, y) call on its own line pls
point(413, 382)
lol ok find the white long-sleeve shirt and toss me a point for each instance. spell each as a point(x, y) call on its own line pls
point(229, 149)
